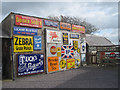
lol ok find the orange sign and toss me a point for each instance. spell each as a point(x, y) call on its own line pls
point(53, 64)
point(65, 26)
point(78, 28)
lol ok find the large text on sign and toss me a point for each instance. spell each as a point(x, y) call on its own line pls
point(30, 63)
point(23, 43)
point(28, 21)
point(53, 64)
point(65, 38)
point(70, 63)
point(77, 28)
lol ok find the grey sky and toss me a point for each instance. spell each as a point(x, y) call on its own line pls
point(103, 15)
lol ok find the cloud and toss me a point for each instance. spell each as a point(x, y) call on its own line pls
point(103, 14)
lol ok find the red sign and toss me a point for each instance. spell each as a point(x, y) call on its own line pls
point(53, 50)
point(78, 28)
point(112, 55)
point(28, 21)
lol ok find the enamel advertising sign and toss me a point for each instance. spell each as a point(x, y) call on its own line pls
point(70, 63)
point(74, 36)
point(37, 43)
point(50, 23)
point(30, 64)
point(78, 28)
point(67, 51)
point(53, 64)
point(24, 31)
point(65, 38)
point(23, 43)
point(28, 21)
point(110, 55)
point(65, 26)
point(53, 36)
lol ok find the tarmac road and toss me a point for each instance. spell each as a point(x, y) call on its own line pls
point(84, 77)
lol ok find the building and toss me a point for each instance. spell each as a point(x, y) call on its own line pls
point(37, 45)
point(100, 49)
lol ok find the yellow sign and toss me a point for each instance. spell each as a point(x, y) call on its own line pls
point(77, 62)
point(75, 44)
point(59, 54)
point(62, 64)
point(70, 63)
point(78, 50)
point(23, 43)
point(58, 49)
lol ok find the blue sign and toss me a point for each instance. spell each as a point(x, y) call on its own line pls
point(24, 31)
point(74, 36)
point(37, 43)
point(30, 64)
point(50, 23)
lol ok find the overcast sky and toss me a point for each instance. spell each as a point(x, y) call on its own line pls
point(103, 15)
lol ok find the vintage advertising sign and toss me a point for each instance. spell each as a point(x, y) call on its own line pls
point(78, 28)
point(74, 36)
point(37, 43)
point(53, 64)
point(65, 26)
point(50, 23)
point(53, 36)
point(65, 38)
point(30, 64)
point(28, 21)
point(62, 64)
point(83, 47)
point(110, 55)
point(70, 63)
point(53, 50)
point(23, 43)
point(67, 51)
point(77, 62)
point(58, 51)
point(75, 44)
point(24, 31)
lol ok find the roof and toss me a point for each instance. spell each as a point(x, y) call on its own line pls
point(94, 40)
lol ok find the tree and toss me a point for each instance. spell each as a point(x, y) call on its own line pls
point(89, 28)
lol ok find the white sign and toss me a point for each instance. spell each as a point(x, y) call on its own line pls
point(54, 36)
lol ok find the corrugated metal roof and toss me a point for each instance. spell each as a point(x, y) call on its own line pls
point(94, 40)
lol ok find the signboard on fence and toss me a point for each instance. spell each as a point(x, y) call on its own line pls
point(23, 43)
point(74, 36)
point(54, 36)
point(65, 38)
point(70, 63)
point(78, 28)
point(67, 51)
point(65, 26)
point(24, 31)
point(28, 21)
point(83, 47)
point(53, 64)
point(37, 43)
point(30, 64)
point(110, 55)
point(50, 23)
point(75, 44)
